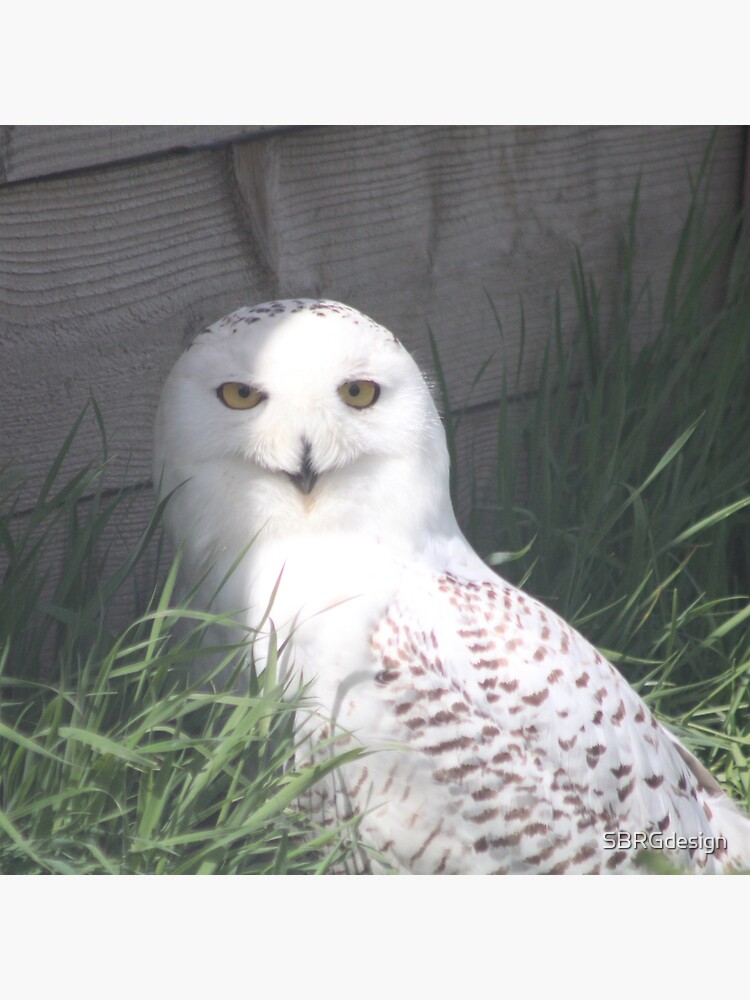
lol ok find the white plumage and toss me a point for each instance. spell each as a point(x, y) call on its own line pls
point(504, 742)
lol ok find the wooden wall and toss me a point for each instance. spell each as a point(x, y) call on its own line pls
point(117, 244)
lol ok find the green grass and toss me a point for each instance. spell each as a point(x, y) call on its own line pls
point(111, 759)
point(621, 499)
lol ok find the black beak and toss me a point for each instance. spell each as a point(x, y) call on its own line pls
point(307, 477)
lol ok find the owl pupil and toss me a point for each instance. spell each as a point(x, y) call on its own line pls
point(244, 391)
point(354, 390)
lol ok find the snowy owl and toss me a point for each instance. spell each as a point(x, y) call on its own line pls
point(302, 434)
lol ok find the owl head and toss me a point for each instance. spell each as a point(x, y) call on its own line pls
point(299, 416)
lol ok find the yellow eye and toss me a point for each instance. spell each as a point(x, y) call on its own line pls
point(359, 394)
point(238, 396)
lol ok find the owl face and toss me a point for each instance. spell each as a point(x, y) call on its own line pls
point(304, 415)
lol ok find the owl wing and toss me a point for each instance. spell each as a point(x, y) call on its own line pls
point(525, 750)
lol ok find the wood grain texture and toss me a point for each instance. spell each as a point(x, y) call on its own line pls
point(102, 278)
point(32, 151)
point(421, 226)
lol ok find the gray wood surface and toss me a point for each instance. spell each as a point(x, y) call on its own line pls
point(33, 151)
point(102, 277)
point(105, 273)
point(421, 226)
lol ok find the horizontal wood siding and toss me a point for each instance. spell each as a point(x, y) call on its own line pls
point(33, 151)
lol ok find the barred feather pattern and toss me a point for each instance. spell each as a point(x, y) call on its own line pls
point(508, 744)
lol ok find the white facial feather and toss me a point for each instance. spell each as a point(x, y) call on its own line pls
point(520, 745)
point(364, 458)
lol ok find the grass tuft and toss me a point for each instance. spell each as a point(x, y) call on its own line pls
point(112, 758)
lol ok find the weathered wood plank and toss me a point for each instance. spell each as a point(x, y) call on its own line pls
point(419, 226)
point(33, 151)
point(102, 276)
point(479, 466)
